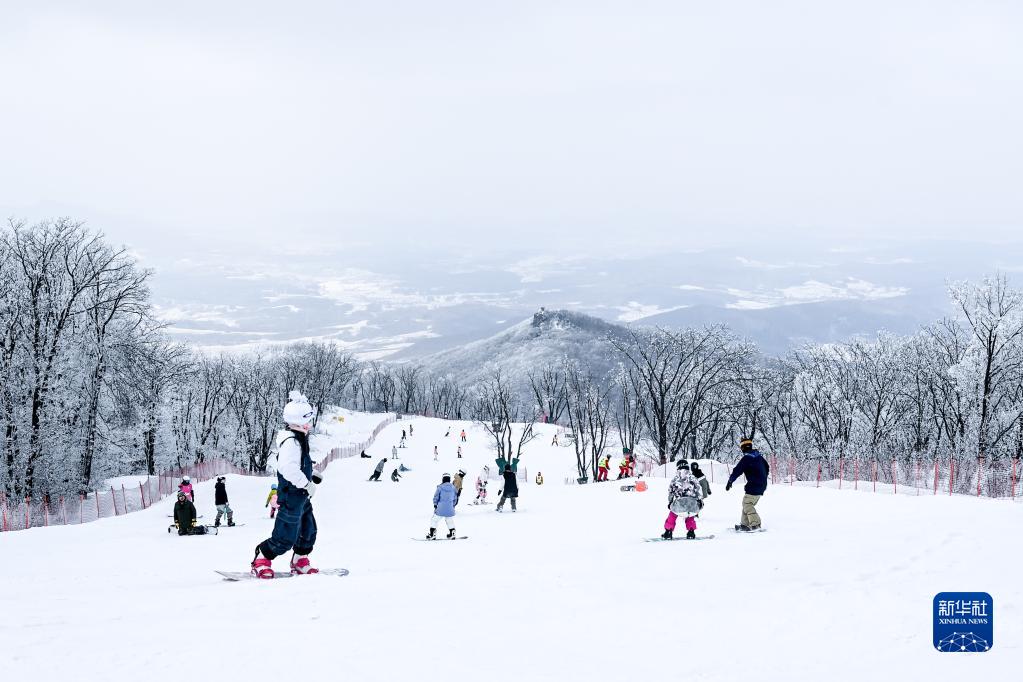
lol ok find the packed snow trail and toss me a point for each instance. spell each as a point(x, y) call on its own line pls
point(839, 589)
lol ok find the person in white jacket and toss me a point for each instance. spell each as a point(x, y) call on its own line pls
point(295, 527)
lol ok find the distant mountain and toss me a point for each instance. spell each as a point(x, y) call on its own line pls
point(777, 330)
point(549, 336)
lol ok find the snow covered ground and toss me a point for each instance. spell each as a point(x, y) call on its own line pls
point(840, 588)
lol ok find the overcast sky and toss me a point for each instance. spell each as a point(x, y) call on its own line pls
point(469, 124)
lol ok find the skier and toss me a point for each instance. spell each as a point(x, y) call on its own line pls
point(458, 481)
point(295, 527)
point(445, 499)
point(510, 490)
point(375, 476)
point(186, 487)
point(395, 476)
point(683, 499)
point(602, 466)
point(220, 499)
point(184, 516)
point(700, 478)
point(271, 501)
point(481, 486)
point(463, 435)
point(756, 469)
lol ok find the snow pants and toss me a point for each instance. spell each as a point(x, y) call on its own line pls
point(449, 520)
point(669, 523)
point(295, 526)
point(750, 517)
point(602, 473)
point(501, 503)
point(376, 475)
point(224, 509)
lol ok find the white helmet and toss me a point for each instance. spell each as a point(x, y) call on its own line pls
point(298, 410)
point(186, 479)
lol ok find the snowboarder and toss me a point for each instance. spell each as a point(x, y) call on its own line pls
point(458, 481)
point(510, 490)
point(409, 430)
point(448, 432)
point(379, 469)
point(623, 468)
point(701, 478)
point(630, 460)
point(554, 441)
point(481, 486)
point(756, 469)
point(295, 527)
point(684, 499)
point(364, 455)
point(445, 499)
point(184, 516)
point(602, 467)
point(220, 499)
point(539, 478)
point(395, 476)
point(435, 454)
point(394, 452)
point(402, 443)
point(271, 501)
point(459, 452)
point(186, 487)
point(463, 435)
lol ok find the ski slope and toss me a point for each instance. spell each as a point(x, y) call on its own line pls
point(840, 588)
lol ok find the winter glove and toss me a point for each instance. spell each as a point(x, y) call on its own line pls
point(310, 489)
point(728, 486)
point(317, 477)
point(700, 503)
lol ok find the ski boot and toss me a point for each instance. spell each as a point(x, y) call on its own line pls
point(666, 535)
point(216, 524)
point(432, 535)
point(451, 534)
point(261, 567)
point(300, 565)
point(742, 528)
point(691, 535)
point(230, 523)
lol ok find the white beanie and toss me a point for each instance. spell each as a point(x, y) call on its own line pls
point(298, 410)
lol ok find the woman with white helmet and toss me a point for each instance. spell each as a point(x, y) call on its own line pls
point(295, 527)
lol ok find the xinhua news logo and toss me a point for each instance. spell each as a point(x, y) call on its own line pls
point(963, 622)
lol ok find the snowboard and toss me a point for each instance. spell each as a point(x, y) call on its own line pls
point(660, 539)
point(442, 538)
point(745, 532)
point(235, 576)
point(224, 525)
point(626, 488)
point(210, 530)
point(171, 516)
point(479, 504)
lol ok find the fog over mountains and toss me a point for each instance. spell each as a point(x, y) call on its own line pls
point(417, 303)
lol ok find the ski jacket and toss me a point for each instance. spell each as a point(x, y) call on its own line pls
point(704, 485)
point(445, 499)
point(481, 483)
point(755, 468)
point(220, 493)
point(188, 490)
point(683, 485)
point(184, 514)
point(604, 462)
point(511, 486)
point(294, 464)
point(457, 481)
point(395, 475)
point(273, 493)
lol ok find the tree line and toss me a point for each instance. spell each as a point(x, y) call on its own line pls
point(91, 386)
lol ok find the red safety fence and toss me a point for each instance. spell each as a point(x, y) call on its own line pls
point(127, 498)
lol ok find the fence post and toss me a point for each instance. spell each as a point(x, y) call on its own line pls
point(46, 513)
point(951, 473)
point(1013, 478)
point(856, 475)
point(792, 470)
point(28, 516)
point(97, 504)
point(124, 500)
point(81, 508)
point(873, 472)
point(63, 510)
point(841, 470)
point(142, 494)
point(113, 499)
point(935, 474)
point(895, 476)
point(818, 473)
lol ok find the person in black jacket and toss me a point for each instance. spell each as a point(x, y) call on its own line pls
point(756, 469)
point(220, 499)
point(184, 514)
point(511, 488)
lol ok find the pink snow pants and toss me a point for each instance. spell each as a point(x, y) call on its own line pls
point(669, 523)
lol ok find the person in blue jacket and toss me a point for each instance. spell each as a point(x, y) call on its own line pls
point(445, 499)
point(755, 468)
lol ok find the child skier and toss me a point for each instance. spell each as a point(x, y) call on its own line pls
point(481, 486)
point(220, 499)
point(186, 487)
point(295, 527)
point(683, 500)
point(271, 501)
point(445, 499)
